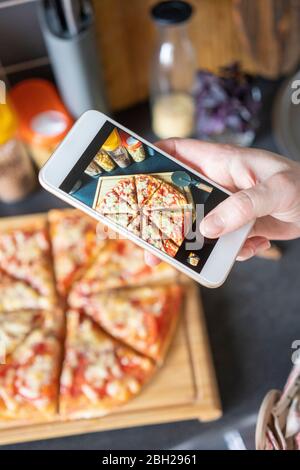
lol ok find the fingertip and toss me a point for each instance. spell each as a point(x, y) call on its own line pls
point(212, 226)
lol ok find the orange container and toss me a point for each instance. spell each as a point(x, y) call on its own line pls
point(43, 119)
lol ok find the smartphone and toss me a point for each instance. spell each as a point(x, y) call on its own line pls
point(143, 194)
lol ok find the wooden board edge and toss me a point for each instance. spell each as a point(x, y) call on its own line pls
point(201, 357)
point(97, 193)
point(110, 422)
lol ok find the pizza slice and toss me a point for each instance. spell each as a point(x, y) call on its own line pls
point(152, 235)
point(99, 373)
point(15, 295)
point(120, 263)
point(135, 225)
point(126, 190)
point(25, 254)
point(30, 378)
point(146, 185)
point(112, 203)
point(174, 224)
point(74, 245)
point(15, 326)
point(166, 197)
point(128, 221)
point(144, 318)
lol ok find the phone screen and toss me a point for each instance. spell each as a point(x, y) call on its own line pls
point(145, 192)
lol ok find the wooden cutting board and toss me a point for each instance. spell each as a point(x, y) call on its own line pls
point(183, 388)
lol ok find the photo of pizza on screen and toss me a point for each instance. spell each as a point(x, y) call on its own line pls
point(141, 190)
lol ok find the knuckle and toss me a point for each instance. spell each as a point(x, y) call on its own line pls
point(244, 203)
point(282, 179)
point(230, 150)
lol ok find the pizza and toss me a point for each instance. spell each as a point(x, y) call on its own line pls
point(166, 197)
point(112, 203)
point(30, 378)
point(73, 236)
point(119, 321)
point(128, 221)
point(152, 235)
point(144, 318)
point(146, 185)
point(15, 326)
point(174, 224)
point(126, 190)
point(133, 199)
point(120, 263)
point(25, 254)
point(121, 219)
point(135, 225)
point(15, 295)
point(99, 373)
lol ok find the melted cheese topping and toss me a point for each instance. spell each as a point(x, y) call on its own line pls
point(19, 295)
point(14, 327)
point(102, 364)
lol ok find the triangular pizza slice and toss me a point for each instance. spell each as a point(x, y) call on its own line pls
point(126, 190)
point(120, 263)
point(25, 254)
point(16, 294)
point(152, 235)
point(74, 245)
point(146, 185)
point(30, 378)
point(129, 221)
point(166, 197)
point(144, 318)
point(15, 326)
point(174, 224)
point(112, 203)
point(99, 373)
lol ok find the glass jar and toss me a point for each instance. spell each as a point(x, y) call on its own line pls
point(173, 72)
point(104, 161)
point(115, 150)
point(43, 119)
point(133, 146)
point(17, 176)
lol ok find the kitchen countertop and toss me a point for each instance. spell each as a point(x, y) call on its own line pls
point(252, 321)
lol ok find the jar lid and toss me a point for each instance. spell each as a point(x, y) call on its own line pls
point(43, 118)
point(112, 142)
point(129, 140)
point(173, 12)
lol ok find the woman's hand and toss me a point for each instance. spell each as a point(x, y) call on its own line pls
point(266, 188)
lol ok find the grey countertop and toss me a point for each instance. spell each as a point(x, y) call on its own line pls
point(252, 321)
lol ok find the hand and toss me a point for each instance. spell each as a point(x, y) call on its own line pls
point(266, 188)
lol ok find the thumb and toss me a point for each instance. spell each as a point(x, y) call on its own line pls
point(240, 208)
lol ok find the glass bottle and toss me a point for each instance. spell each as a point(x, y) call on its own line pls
point(173, 72)
point(115, 150)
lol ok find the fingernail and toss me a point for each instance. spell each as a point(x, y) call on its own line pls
point(264, 245)
point(247, 253)
point(212, 226)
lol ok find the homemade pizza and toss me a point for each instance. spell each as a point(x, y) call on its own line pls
point(25, 255)
point(99, 373)
point(84, 323)
point(15, 295)
point(74, 245)
point(143, 318)
point(29, 379)
point(136, 198)
point(119, 263)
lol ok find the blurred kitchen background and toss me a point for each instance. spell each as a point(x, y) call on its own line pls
point(229, 81)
